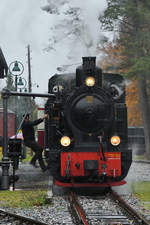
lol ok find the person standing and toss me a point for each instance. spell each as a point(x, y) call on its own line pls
point(29, 139)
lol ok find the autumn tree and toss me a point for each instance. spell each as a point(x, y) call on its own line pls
point(132, 101)
point(132, 21)
point(110, 62)
point(111, 57)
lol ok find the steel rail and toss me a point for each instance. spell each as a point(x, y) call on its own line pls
point(22, 218)
point(78, 209)
point(130, 211)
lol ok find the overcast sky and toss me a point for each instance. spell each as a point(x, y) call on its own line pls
point(22, 22)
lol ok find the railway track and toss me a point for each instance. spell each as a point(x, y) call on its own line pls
point(83, 212)
point(131, 213)
point(14, 219)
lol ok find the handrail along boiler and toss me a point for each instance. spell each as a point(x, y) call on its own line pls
point(86, 133)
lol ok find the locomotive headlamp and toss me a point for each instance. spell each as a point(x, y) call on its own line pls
point(90, 81)
point(115, 140)
point(65, 141)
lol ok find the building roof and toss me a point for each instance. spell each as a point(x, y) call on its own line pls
point(3, 65)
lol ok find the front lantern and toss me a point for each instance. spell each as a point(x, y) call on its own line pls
point(115, 140)
point(65, 141)
point(90, 81)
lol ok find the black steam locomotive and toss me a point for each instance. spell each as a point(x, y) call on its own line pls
point(86, 133)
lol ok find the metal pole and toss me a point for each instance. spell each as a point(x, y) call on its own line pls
point(5, 161)
point(29, 82)
point(27, 94)
point(16, 79)
point(29, 71)
point(20, 125)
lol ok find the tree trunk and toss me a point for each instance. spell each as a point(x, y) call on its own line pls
point(143, 98)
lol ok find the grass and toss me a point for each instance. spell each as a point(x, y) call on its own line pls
point(142, 192)
point(22, 199)
point(1, 153)
point(139, 157)
point(28, 156)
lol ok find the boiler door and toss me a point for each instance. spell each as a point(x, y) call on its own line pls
point(90, 113)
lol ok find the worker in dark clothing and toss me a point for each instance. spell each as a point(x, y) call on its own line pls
point(29, 139)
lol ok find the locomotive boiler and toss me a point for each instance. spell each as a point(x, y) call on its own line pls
point(86, 134)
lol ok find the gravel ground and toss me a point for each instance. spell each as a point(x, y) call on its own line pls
point(57, 212)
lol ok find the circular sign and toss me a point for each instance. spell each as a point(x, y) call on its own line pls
point(16, 68)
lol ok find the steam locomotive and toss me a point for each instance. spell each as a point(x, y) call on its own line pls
point(86, 133)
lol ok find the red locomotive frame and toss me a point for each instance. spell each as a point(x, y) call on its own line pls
point(111, 167)
point(74, 162)
point(106, 184)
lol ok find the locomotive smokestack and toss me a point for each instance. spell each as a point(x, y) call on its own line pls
point(89, 62)
point(88, 69)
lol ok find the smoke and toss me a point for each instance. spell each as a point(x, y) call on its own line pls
point(90, 13)
point(76, 29)
point(22, 21)
point(72, 28)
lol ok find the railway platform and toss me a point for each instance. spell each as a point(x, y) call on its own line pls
point(31, 177)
